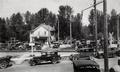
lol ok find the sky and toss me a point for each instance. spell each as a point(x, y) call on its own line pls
point(8, 7)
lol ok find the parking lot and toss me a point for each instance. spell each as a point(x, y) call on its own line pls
point(65, 65)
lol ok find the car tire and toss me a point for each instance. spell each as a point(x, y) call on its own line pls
point(3, 65)
point(32, 63)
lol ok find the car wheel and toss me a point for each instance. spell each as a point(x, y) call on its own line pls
point(3, 65)
point(32, 63)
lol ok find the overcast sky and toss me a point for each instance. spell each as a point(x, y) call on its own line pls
point(8, 7)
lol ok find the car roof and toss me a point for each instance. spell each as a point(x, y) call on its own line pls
point(85, 48)
point(79, 63)
point(80, 56)
point(49, 50)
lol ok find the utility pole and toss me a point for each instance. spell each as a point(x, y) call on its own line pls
point(95, 23)
point(70, 29)
point(118, 30)
point(106, 66)
point(58, 29)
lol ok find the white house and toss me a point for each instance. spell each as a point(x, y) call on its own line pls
point(42, 33)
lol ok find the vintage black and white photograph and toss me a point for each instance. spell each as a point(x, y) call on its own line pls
point(59, 35)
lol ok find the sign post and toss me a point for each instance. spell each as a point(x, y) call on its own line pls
point(118, 31)
point(32, 48)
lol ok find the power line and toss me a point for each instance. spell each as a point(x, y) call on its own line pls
point(92, 6)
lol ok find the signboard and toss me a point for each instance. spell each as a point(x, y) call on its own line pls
point(88, 41)
point(31, 44)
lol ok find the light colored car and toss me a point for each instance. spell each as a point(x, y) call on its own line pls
point(65, 46)
point(20, 59)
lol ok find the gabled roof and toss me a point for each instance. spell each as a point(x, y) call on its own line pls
point(47, 27)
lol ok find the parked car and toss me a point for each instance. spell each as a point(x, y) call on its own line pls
point(85, 66)
point(87, 51)
point(50, 55)
point(56, 44)
point(5, 62)
point(65, 46)
point(111, 52)
point(78, 57)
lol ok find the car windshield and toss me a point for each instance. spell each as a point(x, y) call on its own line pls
point(87, 50)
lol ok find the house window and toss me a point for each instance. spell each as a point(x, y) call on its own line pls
point(45, 32)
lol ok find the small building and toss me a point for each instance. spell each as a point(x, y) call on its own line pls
point(43, 33)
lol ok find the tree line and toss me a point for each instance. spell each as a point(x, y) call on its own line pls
point(111, 20)
point(19, 25)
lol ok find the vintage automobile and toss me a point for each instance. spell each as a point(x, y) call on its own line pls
point(5, 62)
point(78, 57)
point(56, 44)
point(111, 52)
point(87, 51)
point(50, 55)
point(85, 66)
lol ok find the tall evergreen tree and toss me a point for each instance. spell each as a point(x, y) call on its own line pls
point(41, 16)
point(17, 26)
point(77, 27)
point(64, 20)
point(113, 23)
point(2, 30)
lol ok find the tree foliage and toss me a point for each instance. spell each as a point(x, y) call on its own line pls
point(100, 23)
point(19, 25)
point(64, 20)
point(2, 30)
point(77, 27)
point(113, 23)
